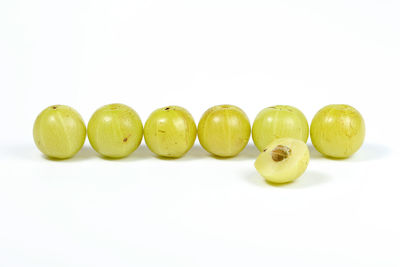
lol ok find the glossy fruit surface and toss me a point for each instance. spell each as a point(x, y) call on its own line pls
point(337, 131)
point(277, 122)
point(170, 131)
point(283, 160)
point(224, 130)
point(59, 132)
point(115, 130)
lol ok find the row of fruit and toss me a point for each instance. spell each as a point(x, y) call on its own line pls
point(280, 132)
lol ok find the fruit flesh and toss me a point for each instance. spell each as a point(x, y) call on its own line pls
point(224, 130)
point(59, 132)
point(278, 122)
point(115, 130)
point(170, 131)
point(337, 131)
point(283, 161)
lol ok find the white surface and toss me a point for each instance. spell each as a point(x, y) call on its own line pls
point(198, 211)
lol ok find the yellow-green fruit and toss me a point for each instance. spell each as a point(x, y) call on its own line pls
point(59, 132)
point(283, 160)
point(224, 130)
point(278, 122)
point(337, 131)
point(115, 130)
point(170, 131)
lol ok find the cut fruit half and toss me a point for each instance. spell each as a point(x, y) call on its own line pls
point(283, 160)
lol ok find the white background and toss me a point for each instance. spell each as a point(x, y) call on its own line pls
point(198, 210)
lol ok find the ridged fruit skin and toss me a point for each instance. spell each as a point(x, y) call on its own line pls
point(170, 131)
point(59, 132)
point(278, 122)
point(224, 130)
point(286, 170)
point(337, 131)
point(115, 130)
